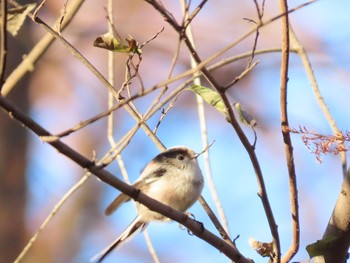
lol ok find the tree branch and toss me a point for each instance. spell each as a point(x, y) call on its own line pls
point(3, 42)
point(195, 227)
point(296, 45)
point(39, 49)
point(293, 249)
point(337, 235)
point(232, 119)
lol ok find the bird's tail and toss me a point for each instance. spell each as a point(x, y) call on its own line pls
point(128, 232)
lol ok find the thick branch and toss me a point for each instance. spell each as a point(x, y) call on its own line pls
point(195, 227)
point(337, 234)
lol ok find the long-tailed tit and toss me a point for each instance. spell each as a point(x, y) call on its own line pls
point(173, 178)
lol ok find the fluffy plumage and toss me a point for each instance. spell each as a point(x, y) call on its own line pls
point(173, 177)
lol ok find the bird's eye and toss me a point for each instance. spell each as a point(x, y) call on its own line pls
point(180, 157)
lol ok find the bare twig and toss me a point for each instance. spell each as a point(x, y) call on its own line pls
point(89, 121)
point(75, 52)
point(293, 192)
point(156, 101)
point(3, 42)
point(151, 249)
point(190, 17)
point(233, 121)
point(111, 76)
point(152, 38)
point(221, 52)
point(103, 80)
point(52, 214)
point(245, 142)
point(222, 231)
point(63, 15)
point(262, 193)
point(242, 75)
point(111, 79)
point(39, 49)
point(296, 44)
point(260, 16)
point(165, 112)
point(205, 149)
point(165, 13)
point(205, 141)
point(103, 162)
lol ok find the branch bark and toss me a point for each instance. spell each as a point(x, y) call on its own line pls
point(293, 191)
point(336, 238)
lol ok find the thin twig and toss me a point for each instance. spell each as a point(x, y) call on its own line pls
point(293, 192)
point(145, 232)
point(242, 75)
point(190, 17)
point(111, 76)
point(111, 100)
point(262, 193)
point(296, 44)
point(111, 71)
point(232, 119)
point(260, 16)
point(205, 141)
point(89, 121)
point(51, 215)
point(39, 49)
point(222, 231)
point(151, 249)
point(103, 80)
point(152, 38)
point(63, 15)
point(152, 110)
point(165, 112)
point(224, 50)
point(103, 162)
point(3, 42)
point(164, 90)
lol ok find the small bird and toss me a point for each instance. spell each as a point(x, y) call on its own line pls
point(173, 178)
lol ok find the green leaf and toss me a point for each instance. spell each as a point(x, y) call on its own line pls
point(16, 17)
point(109, 42)
point(210, 96)
point(244, 116)
point(213, 98)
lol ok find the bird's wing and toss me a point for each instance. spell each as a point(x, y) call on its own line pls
point(127, 233)
point(120, 199)
point(148, 176)
point(116, 203)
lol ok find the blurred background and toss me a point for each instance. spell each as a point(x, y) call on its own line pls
point(60, 92)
